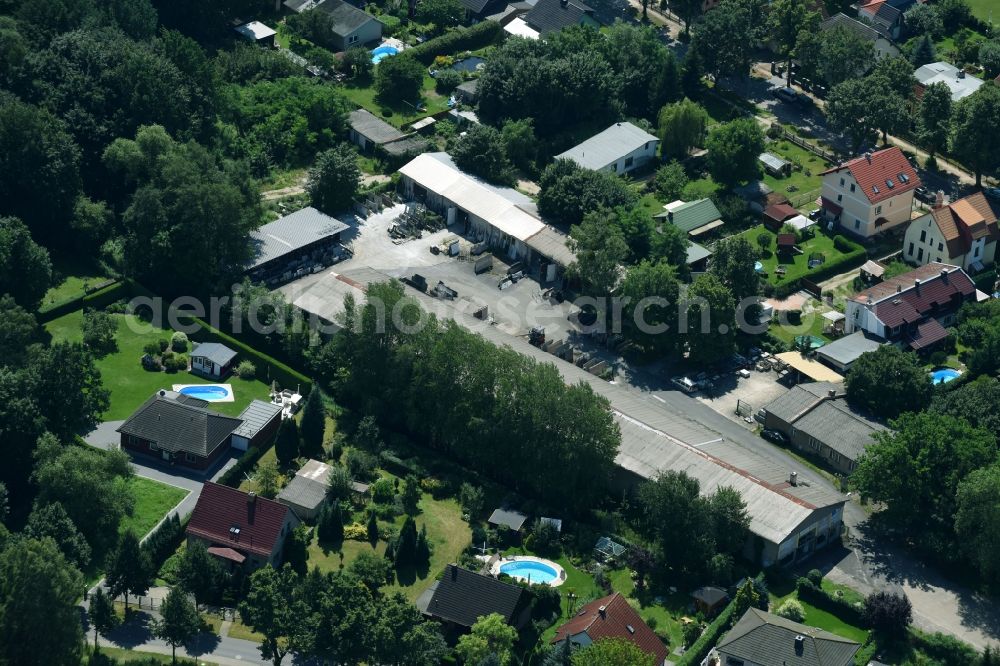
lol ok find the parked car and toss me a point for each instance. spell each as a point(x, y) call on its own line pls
point(923, 194)
point(786, 94)
point(760, 415)
point(685, 384)
point(744, 373)
point(775, 436)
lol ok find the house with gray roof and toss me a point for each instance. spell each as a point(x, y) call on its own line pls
point(259, 425)
point(350, 26)
point(959, 83)
point(294, 245)
point(882, 44)
point(305, 494)
point(509, 518)
point(621, 148)
point(212, 359)
point(369, 131)
point(841, 354)
point(763, 639)
point(179, 430)
point(817, 420)
point(548, 16)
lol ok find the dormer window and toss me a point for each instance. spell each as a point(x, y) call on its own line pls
point(875, 189)
point(903, 178)
point(889, 183)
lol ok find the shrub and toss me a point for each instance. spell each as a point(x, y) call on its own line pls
point(939, 358)
point(463, 39)
point(692, 632)
point(888, 613)
point(179, 342)
point(355, 532)
point(246, 370)
point(152, 349)
point(842, 244)
point(163, 344)
point(360, 463)
point(446, 81)
point(99, 330)
point(175, 363)
point(791, 610)
point(815, 577)
point(383, 491)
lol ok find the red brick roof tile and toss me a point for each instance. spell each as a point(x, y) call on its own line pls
point(619, 620)
point(873, 174)
point(221, 508)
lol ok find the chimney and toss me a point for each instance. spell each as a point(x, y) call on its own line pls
point(832, 393)
point(793, 478)
point(868, 156)
point(944, 275)
point(899, 288)
point(800, 643)
point(869, 302)
point(251, 506)
point(916, 286)
point(961, 73)
point(603, 612)
point(939, 199)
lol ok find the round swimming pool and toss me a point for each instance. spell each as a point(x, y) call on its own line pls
point(533, 570)
point(383, 52)
point(758, 266)
point(209, 392)
point(944, 375)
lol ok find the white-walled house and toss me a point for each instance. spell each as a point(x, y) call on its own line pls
point(870, 194)
point(619, 149)
point(963, 233)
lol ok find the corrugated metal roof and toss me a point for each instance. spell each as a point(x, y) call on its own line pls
point(696, 253)
point(847, 349)
point(498, 206)
point(608, 146)
point(808, 367)
point(552, 244)
point(303, 492)
point(256, 415)
point(372, 127)
point(693, 215)
point(291, 232)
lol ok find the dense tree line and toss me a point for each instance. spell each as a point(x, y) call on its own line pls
point(489, 407)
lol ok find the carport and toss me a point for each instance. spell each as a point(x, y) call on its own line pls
point(808, 368)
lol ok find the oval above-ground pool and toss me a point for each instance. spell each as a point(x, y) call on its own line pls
point(531, 569)
point(207, 392)
point(383, 52)
point(944, 375)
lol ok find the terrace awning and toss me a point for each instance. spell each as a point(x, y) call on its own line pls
point(227, 554)
point(807, 367)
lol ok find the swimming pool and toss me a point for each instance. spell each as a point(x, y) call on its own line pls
point(758, 266)
point(944, 375)
point(531, 569)
point(207, 392)
point(383, 51)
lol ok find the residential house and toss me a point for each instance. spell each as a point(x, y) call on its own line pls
point(912, 309)
point(305, 494)
point(256, 32)
point(959, 83)
point(182, 430)
point(179, 430)
point(611, 617)
point(620, 149)
point(841, 354)
point(501, 217)
point(694, 217)
point(548, 16)
point(461, 597)
point(350, 26)
point(963, 233)
point(763, 639)
point(212, 359)
point(884, 48)
point(241, 528)
point(479, 10)
point(870, 194)
point(817, 420)
point(884, 17)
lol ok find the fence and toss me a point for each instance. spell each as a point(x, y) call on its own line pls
point(800, 200)
point(827, 155)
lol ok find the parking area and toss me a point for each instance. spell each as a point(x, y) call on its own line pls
point(752, 392)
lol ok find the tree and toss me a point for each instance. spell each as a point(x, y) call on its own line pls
point(915, 471)
point(977, 150)
point(470, 497)
point(482, 152)
point(270, 609)
point(406, 544)
point(357, 62)
point(733, 264)
point(266, 479)
point(333, 179)
point(747, 597)
point(39, 617)
point(600, 249)
point(25, 268)
point(786, 21)
point(520, 143)
point(286, 445)
point(934, 119)
point(989, 57)
point(692, 73)
point(128, 569)
point(68, 392)
point(411, 494)
point(733, 149)
point(888, 613)
point(711, 321)
point(887, 382)
point(399, 79)
point(422, 552)
point(923, 52)
point(650, 317)
point(972, 402)
point(442, 13)
point(675, 516)
point(569, 191)
point(401, 636)
point(849, 109)
point(101, 614)
point(330, 526)
point(373, 571)
point(490, 635)
point(688, 10)
point(954, 14)
point(681, 128)
point(721, 54)
point(372, 528)
point(924, 20)
point(977, 522)
point(729, 519)
point(52, 521)
point(670, 180)
point(338, 483)
point(179, 621)
point(367, 436)
point(18, 329)
point(99, 330)
point(612, 652)
point(313, 424)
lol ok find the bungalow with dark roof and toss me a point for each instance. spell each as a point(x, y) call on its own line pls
point(764, 639)
point(461, 597)
point(549, 16)
point(912, 309)
point(963, 233)
point(611, 617)
point(870, 194)
point(241, 528)
point(349, 26)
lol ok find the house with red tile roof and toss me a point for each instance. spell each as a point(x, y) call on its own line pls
point(912, 310)
point(241, 528)
point(870, 194)
point(611, 617)
point(963, 233)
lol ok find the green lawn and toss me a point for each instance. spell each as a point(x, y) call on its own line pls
point(74, 277)
point(815, 617)
point(129, 384)
point(985, 10)
point(812, 324)
point(802, 180)
point(130, 656)
point(362, 93)
point(650, 205)
point(795, 265)
point(152, 501)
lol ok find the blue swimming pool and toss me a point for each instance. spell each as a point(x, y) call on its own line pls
point(944, 375)
point(209, 392)
point(383, 52)
point(536, 572)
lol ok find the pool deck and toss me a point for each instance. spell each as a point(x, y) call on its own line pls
point(556, 582)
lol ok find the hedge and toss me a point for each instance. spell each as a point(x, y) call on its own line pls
point(851, 259)
point(819, 598)
point(463, 39)
point(234, 476)
point(701, 647)
point(268, 368)
point(163, 541)
point(61, 308)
